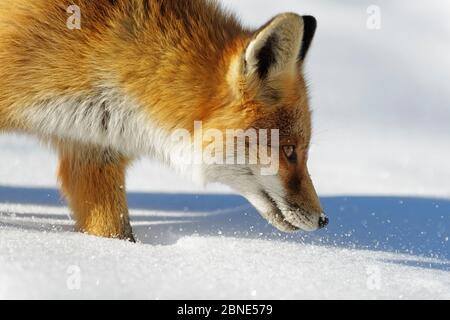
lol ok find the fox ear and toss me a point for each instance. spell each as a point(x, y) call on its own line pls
point(279, 45)
point(309, 31)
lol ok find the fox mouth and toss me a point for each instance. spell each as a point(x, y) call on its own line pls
point(270, 201)
point(288, 218)
point(276, 217)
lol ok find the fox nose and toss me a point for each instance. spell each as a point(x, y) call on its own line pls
point(323, 221)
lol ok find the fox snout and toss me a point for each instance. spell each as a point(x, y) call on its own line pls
point(287, 209)
point(305, 219)
point(298, 218)
point(303, 208)
point(287, 217)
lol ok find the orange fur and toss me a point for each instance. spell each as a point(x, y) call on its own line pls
point(93, 182)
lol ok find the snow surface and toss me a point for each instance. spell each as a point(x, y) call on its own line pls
point(379, 160)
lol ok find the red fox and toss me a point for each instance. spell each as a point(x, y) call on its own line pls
point(114, 89)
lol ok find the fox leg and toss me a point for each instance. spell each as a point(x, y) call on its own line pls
point(93, 182)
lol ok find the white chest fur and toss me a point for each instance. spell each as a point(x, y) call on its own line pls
point(110, 120)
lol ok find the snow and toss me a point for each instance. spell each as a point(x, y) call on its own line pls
point(198, 268)
point(379, 161)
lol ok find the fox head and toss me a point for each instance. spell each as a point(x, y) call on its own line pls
point(266, 78)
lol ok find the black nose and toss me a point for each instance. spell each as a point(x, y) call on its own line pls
point(323, 221)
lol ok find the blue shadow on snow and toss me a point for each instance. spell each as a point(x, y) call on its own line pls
point(415, 226)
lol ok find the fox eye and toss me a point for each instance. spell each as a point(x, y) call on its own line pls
point(289, 152)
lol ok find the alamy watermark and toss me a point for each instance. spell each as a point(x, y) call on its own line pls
point(258, 147)
point(374, 17)
point(74, 21)
point(73, 281)
point(373, 278)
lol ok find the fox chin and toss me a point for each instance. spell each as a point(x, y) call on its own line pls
point(132, 73)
